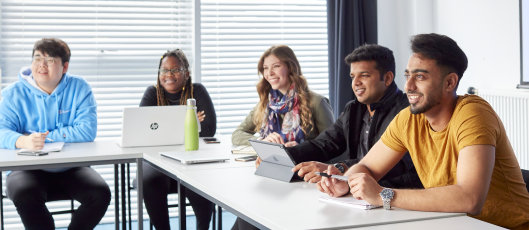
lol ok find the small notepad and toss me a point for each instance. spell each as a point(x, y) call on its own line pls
point(48, 147)
point(243, 149)
point(349, 201)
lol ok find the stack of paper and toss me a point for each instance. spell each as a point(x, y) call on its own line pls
point(349, 201)
point(48, 147)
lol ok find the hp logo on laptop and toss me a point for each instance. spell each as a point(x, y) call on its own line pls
point(154, 126)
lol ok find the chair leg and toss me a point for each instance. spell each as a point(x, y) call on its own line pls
point(219, 212)
point(213, 220)
point(1, 202)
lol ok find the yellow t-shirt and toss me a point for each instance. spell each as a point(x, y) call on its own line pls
point(435, 155)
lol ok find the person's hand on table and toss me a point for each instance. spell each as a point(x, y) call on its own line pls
point(365, 187)
point(307, 170)
point(332, 186)
point(33, 141)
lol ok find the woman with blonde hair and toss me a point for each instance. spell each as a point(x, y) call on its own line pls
point(288, 112)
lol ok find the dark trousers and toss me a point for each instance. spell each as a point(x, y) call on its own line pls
point(156, 187)
point(30, 190)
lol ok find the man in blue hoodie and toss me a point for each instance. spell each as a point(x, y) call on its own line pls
point(47, 104)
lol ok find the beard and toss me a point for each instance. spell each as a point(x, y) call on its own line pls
point(430, 103)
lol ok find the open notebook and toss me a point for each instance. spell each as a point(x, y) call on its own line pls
point(48, 147)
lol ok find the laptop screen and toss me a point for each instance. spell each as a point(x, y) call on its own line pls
point(153, 125)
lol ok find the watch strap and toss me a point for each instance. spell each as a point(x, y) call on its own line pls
point(340, 166)
point(387, 195)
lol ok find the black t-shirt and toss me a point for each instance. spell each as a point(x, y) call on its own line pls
point(363, 144)
point(204, 103)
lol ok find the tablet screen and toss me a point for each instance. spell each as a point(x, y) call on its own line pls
point(272, 152)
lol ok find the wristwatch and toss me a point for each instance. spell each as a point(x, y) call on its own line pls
point(340, 166)
point(386, 195)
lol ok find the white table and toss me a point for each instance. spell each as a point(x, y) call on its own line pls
point(452, 223)
point(76, 155)
point(151, 156)
point(273, 204)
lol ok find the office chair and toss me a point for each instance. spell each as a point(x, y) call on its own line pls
point(58, 198)
point(525, 175)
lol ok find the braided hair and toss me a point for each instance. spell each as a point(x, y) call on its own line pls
point(187, 90)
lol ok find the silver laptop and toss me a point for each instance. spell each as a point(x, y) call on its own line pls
point(194, 157)
point(153, 125)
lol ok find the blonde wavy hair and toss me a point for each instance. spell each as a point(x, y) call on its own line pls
point(287, 57)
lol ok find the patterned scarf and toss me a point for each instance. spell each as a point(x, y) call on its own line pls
point(289, 129)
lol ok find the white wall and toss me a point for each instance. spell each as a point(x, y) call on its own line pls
point(486, 30)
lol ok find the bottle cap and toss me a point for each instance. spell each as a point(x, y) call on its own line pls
point(191, 102)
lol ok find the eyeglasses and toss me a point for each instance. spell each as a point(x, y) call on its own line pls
point(45, 60)
point(172, 71)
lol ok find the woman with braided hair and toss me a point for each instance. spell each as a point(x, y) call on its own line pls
point(174, 87)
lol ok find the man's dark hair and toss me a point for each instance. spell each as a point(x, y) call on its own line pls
point(443, 50)
point(53, 47)
point(382, 56)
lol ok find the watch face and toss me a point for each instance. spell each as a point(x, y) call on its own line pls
point(387, 193)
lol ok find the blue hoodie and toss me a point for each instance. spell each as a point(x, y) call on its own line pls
point(69, 112)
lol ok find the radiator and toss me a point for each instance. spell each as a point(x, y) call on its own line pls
point(513, 110)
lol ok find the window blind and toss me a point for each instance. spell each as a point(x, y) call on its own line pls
point(116, 46)
point(234, 34)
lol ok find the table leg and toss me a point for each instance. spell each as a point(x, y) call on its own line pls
point(182, 205)
point(139, 175)
point(123, 199)
point(128, 196)
point(116, 197)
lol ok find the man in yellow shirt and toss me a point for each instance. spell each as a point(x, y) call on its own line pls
point(457, 143)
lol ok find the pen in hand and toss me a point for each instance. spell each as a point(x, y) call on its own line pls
point(47, 138)
point(338, 177)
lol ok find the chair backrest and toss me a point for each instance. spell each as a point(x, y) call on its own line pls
point(525, 174)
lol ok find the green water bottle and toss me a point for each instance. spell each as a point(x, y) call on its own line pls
point(191, 126)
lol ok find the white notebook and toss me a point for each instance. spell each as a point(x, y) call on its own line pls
point(48, 147)
point(348, 201)
point(243, 149)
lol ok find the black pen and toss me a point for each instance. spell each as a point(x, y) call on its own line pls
point(338, 177)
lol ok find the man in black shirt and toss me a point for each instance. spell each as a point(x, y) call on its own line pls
point(362, 123)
